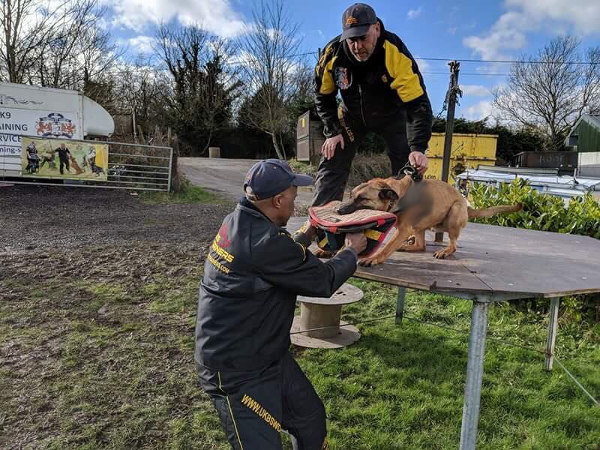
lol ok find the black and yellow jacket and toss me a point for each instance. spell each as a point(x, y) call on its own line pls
point(374, 91)
point(253, 273)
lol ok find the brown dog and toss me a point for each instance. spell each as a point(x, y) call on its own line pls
point(75, 166)
point(419, 206)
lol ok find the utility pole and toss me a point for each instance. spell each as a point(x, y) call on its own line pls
point(450, 104)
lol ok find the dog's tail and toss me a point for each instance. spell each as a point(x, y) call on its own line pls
point(492, 211)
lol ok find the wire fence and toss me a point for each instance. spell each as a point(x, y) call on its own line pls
point(461, 332)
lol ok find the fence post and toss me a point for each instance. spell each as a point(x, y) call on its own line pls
point(175, 184)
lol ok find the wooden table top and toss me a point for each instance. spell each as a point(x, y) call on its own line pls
point(495, 263)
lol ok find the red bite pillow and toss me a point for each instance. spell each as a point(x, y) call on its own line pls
point(332, 227)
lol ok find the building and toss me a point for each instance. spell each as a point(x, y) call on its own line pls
point(585, 139)
point(585, 135)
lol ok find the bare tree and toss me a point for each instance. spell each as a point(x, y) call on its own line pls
point(26, 27)
point(144, 92)
point(76, 54)
point(270, 67)
point(59, 46)
point(551, 90)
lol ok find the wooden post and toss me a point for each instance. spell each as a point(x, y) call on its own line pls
point(141, 133)
point(175, 180)
point(450, 103)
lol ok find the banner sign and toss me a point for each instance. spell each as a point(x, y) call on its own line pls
point(63, 158)
point(15, 122)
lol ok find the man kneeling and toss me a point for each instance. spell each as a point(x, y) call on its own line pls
point(253, 272)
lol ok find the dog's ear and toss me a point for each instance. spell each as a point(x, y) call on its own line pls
point(388, 194)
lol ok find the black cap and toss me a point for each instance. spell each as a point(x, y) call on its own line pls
point(270, 177)
point(356, 20)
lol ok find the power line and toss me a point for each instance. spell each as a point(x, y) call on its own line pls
point(509, 61)
point(489, 61)
point(470, 74)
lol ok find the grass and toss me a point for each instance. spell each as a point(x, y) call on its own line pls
point(108, 364)
point(187, 194)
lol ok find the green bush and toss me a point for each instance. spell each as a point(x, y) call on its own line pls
point(540, 211)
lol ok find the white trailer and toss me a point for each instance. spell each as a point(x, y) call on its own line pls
point(45, 112)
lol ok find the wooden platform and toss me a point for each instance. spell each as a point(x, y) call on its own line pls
point(493, 264)
point(497, 263)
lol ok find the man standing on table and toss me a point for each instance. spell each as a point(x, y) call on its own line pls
point(253, 273)
point(381, 89)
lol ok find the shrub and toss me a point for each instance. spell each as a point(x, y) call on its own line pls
point(540, 211)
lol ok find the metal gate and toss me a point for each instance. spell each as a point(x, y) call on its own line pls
point(130, 166)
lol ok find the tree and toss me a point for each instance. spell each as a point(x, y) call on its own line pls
point(270, 69)
point(38, 41)
point(205, 85)
point(143, 92)
point(551, 90)
point(77, 54)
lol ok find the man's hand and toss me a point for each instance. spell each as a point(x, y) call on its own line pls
point(419, 161)
point(330, 144)
point(357, 241)
point(308, 230)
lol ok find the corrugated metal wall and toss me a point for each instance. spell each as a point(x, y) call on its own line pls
point(588, 137)
point(468, 151)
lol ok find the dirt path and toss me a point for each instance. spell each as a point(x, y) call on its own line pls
point(42, 217)
point(98, 292)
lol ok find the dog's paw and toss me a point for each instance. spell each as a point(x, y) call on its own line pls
point(443, 254)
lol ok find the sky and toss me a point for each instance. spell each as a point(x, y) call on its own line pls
point(487, 30)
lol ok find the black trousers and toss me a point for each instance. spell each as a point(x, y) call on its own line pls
point(64, 163)
point(255, 407)
point(332, 175)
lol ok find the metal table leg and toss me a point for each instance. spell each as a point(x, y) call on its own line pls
point(552, 327)
point(400, 304)
point(470, 419)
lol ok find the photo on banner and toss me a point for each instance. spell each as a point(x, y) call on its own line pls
point(64, 159)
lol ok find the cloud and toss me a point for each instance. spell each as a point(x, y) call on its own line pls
point(216, 16)
point(523, 16)
point(583, 15)
point(475, 90)
point(478, 111)
point(142, 44)
point(414, 13)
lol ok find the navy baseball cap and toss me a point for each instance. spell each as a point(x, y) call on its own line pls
point(270, 177)
point(356, 20)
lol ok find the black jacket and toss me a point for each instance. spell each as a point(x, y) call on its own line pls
point(252, 275)
point(375, 91)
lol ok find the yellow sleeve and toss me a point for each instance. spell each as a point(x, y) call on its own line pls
point(323, 72)
point(406, 81)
